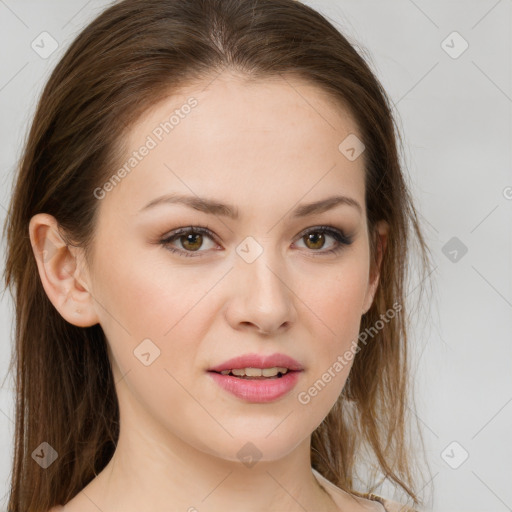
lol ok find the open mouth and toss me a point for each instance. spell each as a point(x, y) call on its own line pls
point(246, 377)
point(257, 385)
point(257, 373)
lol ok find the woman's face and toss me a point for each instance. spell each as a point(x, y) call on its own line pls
point(263, 283)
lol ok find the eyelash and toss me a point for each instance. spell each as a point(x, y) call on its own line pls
point(340, 237)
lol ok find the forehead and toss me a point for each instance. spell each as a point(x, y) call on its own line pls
point(264, 140)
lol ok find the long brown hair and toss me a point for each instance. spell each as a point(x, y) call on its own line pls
point(132, 55)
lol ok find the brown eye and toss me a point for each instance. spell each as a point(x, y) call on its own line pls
point(316, 239)
point(191, 241)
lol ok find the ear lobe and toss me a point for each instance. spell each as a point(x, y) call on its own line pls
point(59, 272)
point(381, 235)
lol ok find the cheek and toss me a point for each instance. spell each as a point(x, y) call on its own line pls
point(336, 308)
point(169, 305)
point(149, 317)
point(336, 296)
point(145, 291)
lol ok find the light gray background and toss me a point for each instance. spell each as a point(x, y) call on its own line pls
point(455, 115)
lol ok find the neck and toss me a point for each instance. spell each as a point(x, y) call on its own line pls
point(153, 469)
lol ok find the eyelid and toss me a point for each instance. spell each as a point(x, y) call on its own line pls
point(338, 234)
point(185, 230)
point(176, 233)
point(331, 230)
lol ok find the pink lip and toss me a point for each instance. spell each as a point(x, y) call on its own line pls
point(260, 391)
point(258, 361)
point(257, 390)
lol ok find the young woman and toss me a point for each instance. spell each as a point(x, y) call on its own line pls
point(207, 248)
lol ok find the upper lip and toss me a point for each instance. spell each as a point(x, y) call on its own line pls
point(258, 361)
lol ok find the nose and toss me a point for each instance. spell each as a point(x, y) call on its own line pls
point(261, 298)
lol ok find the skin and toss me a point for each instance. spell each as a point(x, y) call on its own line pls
point(264, 147)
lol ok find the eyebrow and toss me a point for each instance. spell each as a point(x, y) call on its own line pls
point(214, 207)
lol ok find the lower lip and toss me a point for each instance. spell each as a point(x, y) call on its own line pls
point(257, 390)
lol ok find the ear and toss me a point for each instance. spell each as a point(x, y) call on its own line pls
point(59, 272)
point(381, 237)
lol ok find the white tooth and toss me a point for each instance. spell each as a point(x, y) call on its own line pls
point(256, 372)
point(253, 372)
